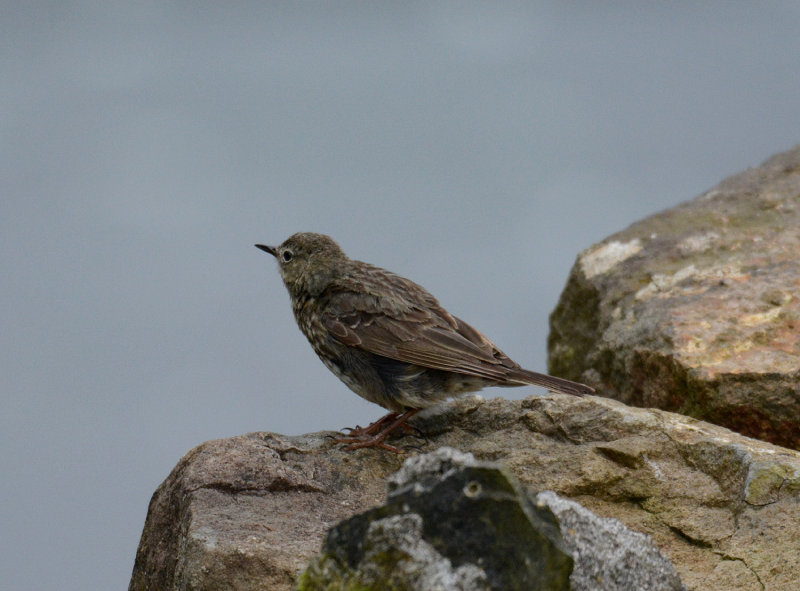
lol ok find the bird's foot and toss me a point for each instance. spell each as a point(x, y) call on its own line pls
point(375, 435)
point(372, 428)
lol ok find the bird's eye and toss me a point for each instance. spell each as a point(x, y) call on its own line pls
point(286, 256)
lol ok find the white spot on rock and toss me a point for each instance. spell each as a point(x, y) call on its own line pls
point(697, 243)
point(603, 258)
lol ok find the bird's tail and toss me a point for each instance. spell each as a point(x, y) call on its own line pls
point(551, 383)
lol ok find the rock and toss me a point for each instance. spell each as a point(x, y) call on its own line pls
point(477, 515)
point(443, 509)
point(608, 556)
point(395, 557)
point(697, 309)
point(249, 512)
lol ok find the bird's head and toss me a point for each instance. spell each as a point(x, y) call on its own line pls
point(307, 262)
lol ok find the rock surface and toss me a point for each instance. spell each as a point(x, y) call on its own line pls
point(608, 556)
point(501, 538)
point(697, 309)
point(450, 524)
point(249, 512)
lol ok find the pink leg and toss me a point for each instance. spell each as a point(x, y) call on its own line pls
point(372, 427)
point(360, 437)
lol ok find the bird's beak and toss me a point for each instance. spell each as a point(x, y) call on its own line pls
point(270, 249)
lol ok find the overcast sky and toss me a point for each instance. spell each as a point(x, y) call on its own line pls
point(476, 148)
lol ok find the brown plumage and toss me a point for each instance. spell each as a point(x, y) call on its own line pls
point(388, 338)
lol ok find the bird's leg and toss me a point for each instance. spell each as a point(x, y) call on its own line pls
point(372, 427)
point(378, 440)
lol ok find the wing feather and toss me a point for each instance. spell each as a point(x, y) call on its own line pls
point(389, 315)
point(427, 336)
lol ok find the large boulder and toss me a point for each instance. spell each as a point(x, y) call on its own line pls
point(697, 309)
point(249, 512)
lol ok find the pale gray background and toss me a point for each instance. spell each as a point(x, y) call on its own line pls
point(476, 148)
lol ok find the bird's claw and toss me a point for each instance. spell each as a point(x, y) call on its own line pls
point(375, 434)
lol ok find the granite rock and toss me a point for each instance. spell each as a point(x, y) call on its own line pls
point(697, 309)
point(445, 508)
point(249, 512)
point(609, 556)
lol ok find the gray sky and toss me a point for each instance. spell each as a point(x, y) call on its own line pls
point(476, 148)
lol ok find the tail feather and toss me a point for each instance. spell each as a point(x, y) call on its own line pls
point(552, 383)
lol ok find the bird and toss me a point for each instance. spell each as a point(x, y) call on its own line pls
point(388, 339)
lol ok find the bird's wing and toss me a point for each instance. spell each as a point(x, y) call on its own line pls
point(421, 333)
